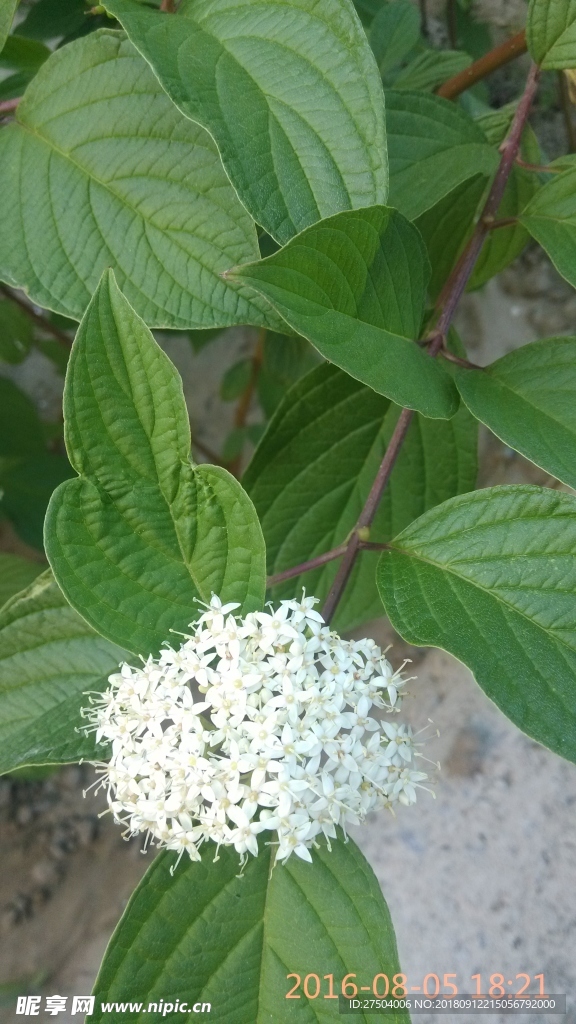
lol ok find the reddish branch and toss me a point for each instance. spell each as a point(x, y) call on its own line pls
point(492, 60)
point(446, 306)
point(39, 320)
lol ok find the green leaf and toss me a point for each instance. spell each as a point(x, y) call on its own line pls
point(236, 380)
point(204, 934)
point(314, 467)
point(431, 68)
point(142, 533)
point(433, 145)
point(7, 9)
point(393, 33)
point(551, 33)
point(15, 333)
point(355, 286)
point(528, 399)
point(15, 574)
point(290, 93)
point(551, 219)
point(491, 577)
point(119, 178)
point(27, 487)
point(20, 429)
point(49, 659)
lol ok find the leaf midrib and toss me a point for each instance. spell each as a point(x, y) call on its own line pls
point(489, 593)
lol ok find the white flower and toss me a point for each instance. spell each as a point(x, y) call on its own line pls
point(258, 724)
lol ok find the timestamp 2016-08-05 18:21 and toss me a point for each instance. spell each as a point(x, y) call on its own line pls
point(316, 986)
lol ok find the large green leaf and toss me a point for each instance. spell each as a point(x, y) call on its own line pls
point(393, 33)
point(7, 8)
point(205, 934)
point(15, 574)
point(491, 577)
point(290, 92)
point(119, 178)
point(433, 145)
point(49, 659)
point(314, 467)
point(551, 219)
point(355, 286)
point(142, 533)
point(551, 33)
point(528, 398)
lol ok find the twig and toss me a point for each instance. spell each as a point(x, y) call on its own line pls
point(312, 563)
point(320, 560)
point(492, 60)
point(502, 222)
point(567, 111)
point(538, 168)
point(8, 106)
point(38, 319)
point(169, 6)
point(447, 354)
point(245, 401)
point(446, 305)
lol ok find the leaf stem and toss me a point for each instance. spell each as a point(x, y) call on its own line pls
point(39, 320)
point(447, 354)
point(538, 168)
point(446, 305)
point(483, 67)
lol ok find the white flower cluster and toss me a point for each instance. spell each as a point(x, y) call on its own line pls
point(252, 725)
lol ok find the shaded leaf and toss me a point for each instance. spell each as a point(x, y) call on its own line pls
point(393, 33)
point(290, 93)
point(49, 659)
point(120, 178)
point(142, 533)
point(15, 333)
point(446, 226)
point(314, 467)
point(24, 55)
point(15, 574)
point(203, 934)
point(236, 380)
point(49, 19)
point(433, 145)
point(355, 286)
point(27, 488)
point(506, 243)
point(21, 432)
point(528, 399)
point(284, 360)
point(491, 577)
point(431, 68)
